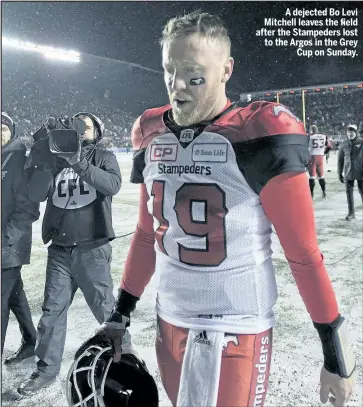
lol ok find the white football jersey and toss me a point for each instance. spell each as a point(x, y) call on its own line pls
point(213, 247)
point(213, 238)
point(317, 143)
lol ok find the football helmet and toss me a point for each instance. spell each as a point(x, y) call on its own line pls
point(94, 380)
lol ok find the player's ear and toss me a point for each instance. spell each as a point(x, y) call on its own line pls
point(227, 70)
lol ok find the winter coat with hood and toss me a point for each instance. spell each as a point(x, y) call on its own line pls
point(350, 159)
point(18, 212)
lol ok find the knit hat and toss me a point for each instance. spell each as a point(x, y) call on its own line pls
point(8, 121)
point(353, 127)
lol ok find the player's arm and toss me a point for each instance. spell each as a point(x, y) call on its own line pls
point(286, 200)
point(140, 261)
point(292, 215)
point(139, 267)
point(274, 165)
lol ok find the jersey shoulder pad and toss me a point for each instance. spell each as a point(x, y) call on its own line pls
point(260, 119)
point(148, 126)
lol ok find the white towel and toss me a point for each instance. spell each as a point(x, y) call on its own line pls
point(201, 369)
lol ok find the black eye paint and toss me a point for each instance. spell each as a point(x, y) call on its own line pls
point(197, 81)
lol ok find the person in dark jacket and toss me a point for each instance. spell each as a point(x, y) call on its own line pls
point(350, 166)
point(78, 222)
point(18, 213)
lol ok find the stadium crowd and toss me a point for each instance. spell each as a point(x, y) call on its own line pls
point(30, 103)
point(35, 104)
point(331, 112)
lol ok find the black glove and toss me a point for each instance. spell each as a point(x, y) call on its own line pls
point(338, 356)
point(41, 133)
point(113, 329)
point(341, 179)
point(41, 157)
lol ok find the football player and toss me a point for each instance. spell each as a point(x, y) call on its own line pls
point(318, 146)
point(214, 177)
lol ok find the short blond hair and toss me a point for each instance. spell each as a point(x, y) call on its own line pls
point(208, 25)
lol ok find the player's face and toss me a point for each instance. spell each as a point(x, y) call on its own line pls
point(194, 70)
point(89, 133)
point(351, 134)
point(5, 134)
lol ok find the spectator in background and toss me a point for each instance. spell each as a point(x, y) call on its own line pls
point(78, 222)
point(328, 148)
point(18, 213)
point(350, 166)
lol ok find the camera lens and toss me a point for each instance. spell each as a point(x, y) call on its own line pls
point(63, 141)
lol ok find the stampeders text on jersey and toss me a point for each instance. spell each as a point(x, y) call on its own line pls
point(184, 169)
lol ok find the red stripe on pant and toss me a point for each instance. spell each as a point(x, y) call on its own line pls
point(245, 365)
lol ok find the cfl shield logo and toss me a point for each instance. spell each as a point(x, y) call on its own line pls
point(163, 152)
point(186, 136)
point(72, 193)
point(277, 110)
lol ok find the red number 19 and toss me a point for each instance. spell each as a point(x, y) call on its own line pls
point(212, 228)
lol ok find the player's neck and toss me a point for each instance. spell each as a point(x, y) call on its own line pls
point(218, 108)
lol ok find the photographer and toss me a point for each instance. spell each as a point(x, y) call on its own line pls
point(350, 166)
point(18, 213)
point(78, 184)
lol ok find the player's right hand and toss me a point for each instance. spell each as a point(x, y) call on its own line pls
point(341, 179)
point(111, 332)
point(336, 389)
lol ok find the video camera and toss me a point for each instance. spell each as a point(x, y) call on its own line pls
point(63, 134)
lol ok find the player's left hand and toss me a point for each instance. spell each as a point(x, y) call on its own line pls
point(341, 389)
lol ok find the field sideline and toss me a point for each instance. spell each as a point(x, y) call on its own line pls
point(297, 355)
